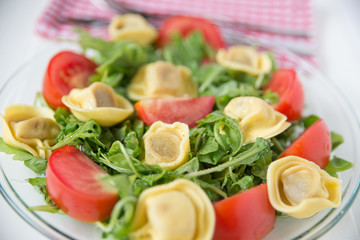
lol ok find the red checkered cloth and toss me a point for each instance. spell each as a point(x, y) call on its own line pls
point(286, 23)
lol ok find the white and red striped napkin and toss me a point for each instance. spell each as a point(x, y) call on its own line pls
point(286, 23)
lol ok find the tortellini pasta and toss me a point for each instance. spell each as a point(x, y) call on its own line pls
point(301, 188)
point(256, 118)
point(167, 145)
point(244, 59)
point(179, 210)
point(132, 27)
point(29, 128)
point(98, 102)
point(162, 80)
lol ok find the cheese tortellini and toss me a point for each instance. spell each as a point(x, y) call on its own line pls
point(301, 188)
point(167, 145)
point(244, 59)
point(98, 102)
point(29, 128)
point(256, 118)
point(132, 27)
point(179, 210)
point(162, 80)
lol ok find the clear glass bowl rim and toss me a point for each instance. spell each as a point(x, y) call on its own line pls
point(53, 233)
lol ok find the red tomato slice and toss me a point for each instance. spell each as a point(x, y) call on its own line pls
point(170, 110)
point(72, 180)
point(66, 70)
point(314, 144)
point(244, 216)
point(185, 25)
point(291, 93)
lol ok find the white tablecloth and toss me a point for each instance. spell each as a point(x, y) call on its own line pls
point(338, 33)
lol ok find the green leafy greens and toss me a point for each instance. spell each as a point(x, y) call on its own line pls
point(37, 165)
point(219, 162)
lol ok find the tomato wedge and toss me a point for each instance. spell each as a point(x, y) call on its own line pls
point(314, 144)
point(291, 93)
point(66, 70)
point(170, 110)
point(186, 25)
point(246, 215)
point(72, 180)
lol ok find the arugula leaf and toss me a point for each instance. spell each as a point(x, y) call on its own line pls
point(259, 169)
point(132, 144)
point(257, 82)
point(37, 165)
point(139, 128)
point(216, 138)
point(283, 140)
point(217, 145)
point(103, 50)
point(189, 51)
point(119, 159)
point(210, 146)
point(211, 187)
point(310, 120)
point(212, 158)
point(338, 165)
point(62, 116)
point(113, 80)
point(121, 183)
point(243, 184)
point(120, 222)
point(40, 100)
point(46, 208)
point(228, 134)
point(215, 80)
point(270, 96)
point(40, 185)
point(336, 140)
point(89, 130)
point(273, 61)
point(211, 118)
point(232, 89)
point(260, 147)
point(208, 75)
point(188, 167)
point(37, 181)
point(119, 60)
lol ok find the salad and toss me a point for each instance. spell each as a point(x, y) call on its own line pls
point(170, 134)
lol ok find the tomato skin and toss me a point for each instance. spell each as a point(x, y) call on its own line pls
point(291, 93)
point(73, 185)
point(185, 25)
point(314, 144)
point(244, 216)
point(170, 110)
point(66, 70)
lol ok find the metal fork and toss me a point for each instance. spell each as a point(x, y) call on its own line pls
point(230, 28)
point(221, 21)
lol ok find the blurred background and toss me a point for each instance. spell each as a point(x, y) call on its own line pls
point(336, 49)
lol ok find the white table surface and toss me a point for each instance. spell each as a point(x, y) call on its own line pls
point(338, 49)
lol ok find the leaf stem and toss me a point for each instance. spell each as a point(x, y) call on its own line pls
point(277, 145)
point(40, 99)
point(81, 132)
point(105, 161)
point(210, 78)
point(212, 188)
point(232, 162)
point(117, 210)
point(131, 164)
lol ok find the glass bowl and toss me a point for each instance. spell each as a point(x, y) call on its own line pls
point(321, 98)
